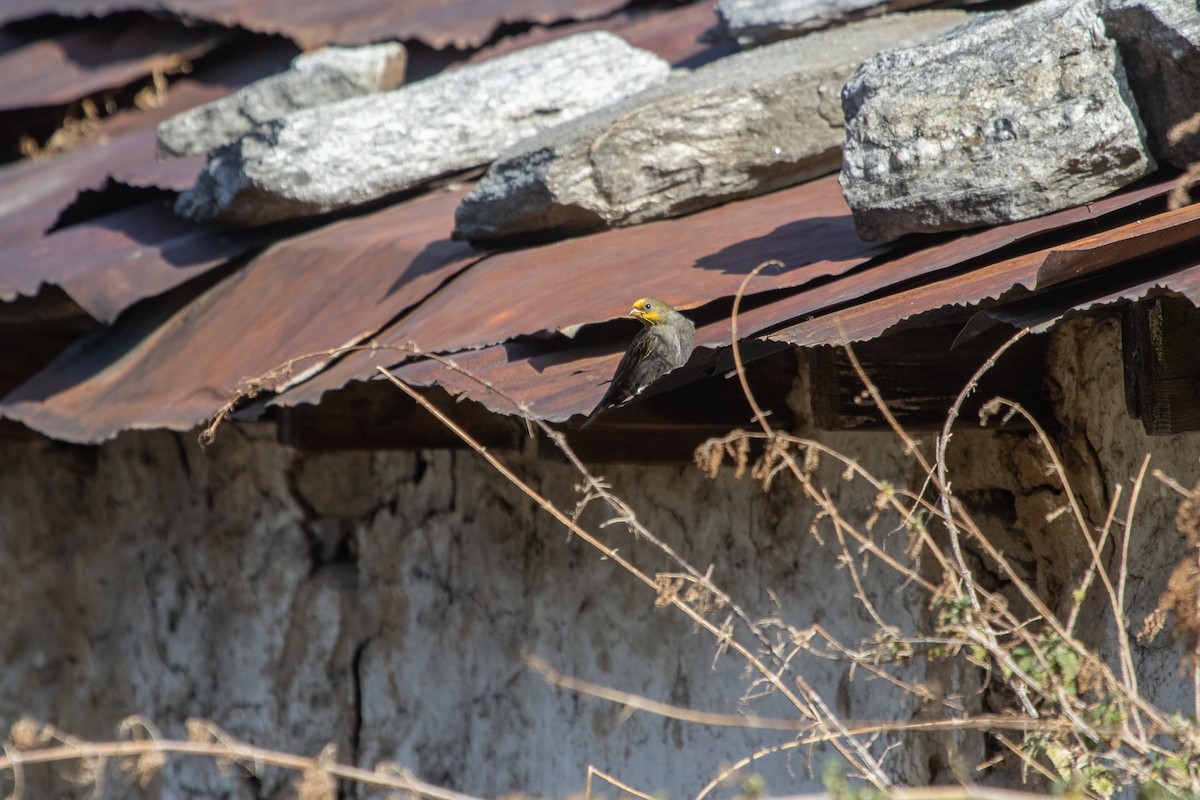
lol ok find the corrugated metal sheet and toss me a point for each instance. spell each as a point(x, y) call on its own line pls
point(561, 382)
point(593, 278)
point(1044, 269)
point(122, 147)
point(312, 23)
point(687, 262)
point(169, 366)
point(345, 283)
point(106, 55)
point(109, 263)
point(171, 358)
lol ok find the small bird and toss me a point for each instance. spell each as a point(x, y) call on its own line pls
point(663, 344)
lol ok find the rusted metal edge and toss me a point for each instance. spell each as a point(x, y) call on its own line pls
point(110, 54)
point(462, 24)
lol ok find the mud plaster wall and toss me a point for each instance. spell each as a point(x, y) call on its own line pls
point(1103, 450)
point(384, 602)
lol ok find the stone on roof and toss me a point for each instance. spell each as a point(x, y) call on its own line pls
point(743, 125)
point(1010, 116)
point(314, 79)
point(365, 148)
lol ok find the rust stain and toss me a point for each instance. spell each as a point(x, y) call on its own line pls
point(106, 55)
point(393, 276)
point(121, 147)
point(1042, 270)
point(107, 264)
point(312, 23)
point(170, 363)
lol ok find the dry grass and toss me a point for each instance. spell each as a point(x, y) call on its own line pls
point(1077, 720)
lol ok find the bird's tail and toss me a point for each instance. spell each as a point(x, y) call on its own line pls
point(597, 411)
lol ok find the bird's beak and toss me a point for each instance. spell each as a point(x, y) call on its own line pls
point(635, 312)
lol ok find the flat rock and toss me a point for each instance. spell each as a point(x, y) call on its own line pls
point(1013, 115)
point(755, 22)
point(314, 79)
point(365, 148)
point(744, 125)
point(1159, 42)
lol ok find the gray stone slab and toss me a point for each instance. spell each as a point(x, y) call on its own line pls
point(365, 148)
point(757, 22)
point(314, 79)
point(1159, 42)
point(1010, 116)
point(744, 125)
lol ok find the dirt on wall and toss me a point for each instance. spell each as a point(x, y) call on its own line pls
point(386, 602)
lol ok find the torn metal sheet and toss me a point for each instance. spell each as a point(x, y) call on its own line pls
point(557, 380)
point(686, 262)
point(555, 384)
point(163, 365)
point(34, 192)
point(393, 276)
point(1047, 269)
point(462, 24)
point(107, 55)
point(673, 34)
point(107, 264)
point(960, 254)
point(550, 384)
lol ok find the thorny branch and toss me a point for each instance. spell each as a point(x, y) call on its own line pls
point(145, 753)
point(1078, 721)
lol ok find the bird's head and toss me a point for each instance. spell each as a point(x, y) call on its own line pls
point(650, 311)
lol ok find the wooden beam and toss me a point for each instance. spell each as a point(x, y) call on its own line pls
point(1161, 353)
point(919, 377)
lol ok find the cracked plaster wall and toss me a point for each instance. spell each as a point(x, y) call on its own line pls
point(385, 601)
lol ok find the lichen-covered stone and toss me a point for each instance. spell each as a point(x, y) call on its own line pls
point(314, 79)
point(1159, 42)
point(365, 148)
point(744, 125)
point(1010, 116)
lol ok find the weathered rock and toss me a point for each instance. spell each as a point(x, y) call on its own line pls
point(756, 22)
point(314, 79)
point(365, 148)
point(1007, 117)
point(1159, 42)
point(744, 125)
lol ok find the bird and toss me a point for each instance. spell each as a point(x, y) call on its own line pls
point(664, 343)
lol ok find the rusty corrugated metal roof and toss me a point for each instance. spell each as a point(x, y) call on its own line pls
point(1041, 270)
point(111, 53)
point(808, 227)
point(343, 284)
point(687, 262)
point(673, 33)
point(109, 263)
point(559, 383)
point(392, 276)
point(169, 366)
point(312, 23)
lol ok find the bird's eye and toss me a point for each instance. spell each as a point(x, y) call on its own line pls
point(646, 306)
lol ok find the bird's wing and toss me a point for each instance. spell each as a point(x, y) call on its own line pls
point(640, 354)
point(654, 352)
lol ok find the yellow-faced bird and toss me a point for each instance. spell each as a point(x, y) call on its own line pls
point(663, 344)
